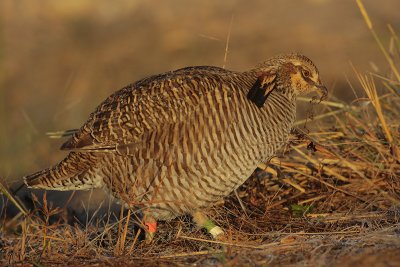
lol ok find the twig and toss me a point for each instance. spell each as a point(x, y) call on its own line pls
point(240, 202)
point(228, 37)
point(229, 244)
point(4, 190)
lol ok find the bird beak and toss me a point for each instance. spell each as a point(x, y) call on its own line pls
point(322, 91)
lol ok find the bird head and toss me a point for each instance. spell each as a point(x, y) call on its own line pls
point(303, 76)
point(288, 73)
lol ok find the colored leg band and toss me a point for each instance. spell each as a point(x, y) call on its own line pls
point(216, 231)
point(208, 225)
point(151, 227)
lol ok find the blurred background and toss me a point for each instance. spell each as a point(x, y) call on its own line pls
point(60, 59)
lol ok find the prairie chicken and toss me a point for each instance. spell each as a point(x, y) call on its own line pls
point(177, 142)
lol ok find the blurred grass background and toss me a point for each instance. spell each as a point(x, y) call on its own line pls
point(60, 59)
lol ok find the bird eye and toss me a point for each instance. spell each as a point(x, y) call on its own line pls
point(306, 73)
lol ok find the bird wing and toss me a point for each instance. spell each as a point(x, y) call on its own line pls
point(146, 106)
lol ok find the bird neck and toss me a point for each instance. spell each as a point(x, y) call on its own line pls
point(279, 111)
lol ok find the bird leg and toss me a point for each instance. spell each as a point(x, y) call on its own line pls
point(204, 222)
point(151, 227)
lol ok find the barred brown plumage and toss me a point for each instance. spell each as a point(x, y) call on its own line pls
point(177, 142)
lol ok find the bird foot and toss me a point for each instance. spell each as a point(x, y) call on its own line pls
point(151, 225)
point(204, 222)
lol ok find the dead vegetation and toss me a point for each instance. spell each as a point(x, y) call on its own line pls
point(332, 197)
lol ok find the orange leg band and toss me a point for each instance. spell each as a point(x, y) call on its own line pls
point(151, 226)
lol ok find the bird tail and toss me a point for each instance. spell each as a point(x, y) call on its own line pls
point(75, 172)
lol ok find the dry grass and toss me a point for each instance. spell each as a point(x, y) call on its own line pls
point(332, 197)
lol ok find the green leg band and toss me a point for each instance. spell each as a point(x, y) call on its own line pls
point(208, 225)
point(212, 229)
